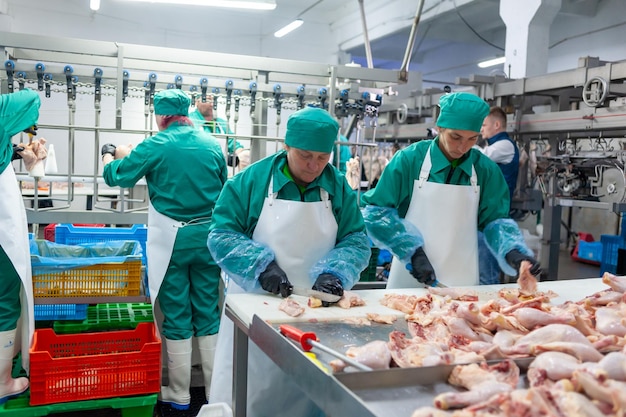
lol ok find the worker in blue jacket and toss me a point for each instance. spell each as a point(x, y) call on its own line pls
point(435, 195)
point(290, 219)
point(185, 171)
point(18, 111)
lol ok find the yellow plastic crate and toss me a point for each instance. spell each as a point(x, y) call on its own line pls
point(101, 280)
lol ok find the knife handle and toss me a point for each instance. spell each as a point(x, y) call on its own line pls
point(299, 336)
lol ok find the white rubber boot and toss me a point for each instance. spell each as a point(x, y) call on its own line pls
point(207, 346)
point(9, 387)
point(179, 374)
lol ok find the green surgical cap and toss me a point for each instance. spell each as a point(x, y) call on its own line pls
point(462, 111)
point(312, 129)
point(173, 102)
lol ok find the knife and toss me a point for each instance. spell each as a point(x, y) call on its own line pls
point(324, 296)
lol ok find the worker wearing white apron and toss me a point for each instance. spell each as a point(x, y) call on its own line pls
point(435, 195)
point(18, 111)
point(185, 170)
point(289, 219)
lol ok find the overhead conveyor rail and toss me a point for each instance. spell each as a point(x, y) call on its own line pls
point(123, 78)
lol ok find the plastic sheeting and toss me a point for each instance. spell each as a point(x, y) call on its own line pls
point(388, 231)
point(49, 256)
point(502, 236)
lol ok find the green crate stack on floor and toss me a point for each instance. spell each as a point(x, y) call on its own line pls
point(369, 273)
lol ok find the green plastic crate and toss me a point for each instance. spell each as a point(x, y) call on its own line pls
point(108, 316)
point(140, 406)
point(369, 273)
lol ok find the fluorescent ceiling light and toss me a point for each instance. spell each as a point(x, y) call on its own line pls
point(232, 4)
point(289, 28)
point(491, 62)
point(94, 5)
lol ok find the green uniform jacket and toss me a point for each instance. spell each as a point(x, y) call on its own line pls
point(184, 168)
point(395, 190)
point(217, 125)
point(18, 111)
point(238, 209)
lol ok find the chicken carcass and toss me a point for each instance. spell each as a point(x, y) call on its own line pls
point(374, 354)
point(482, 381)
point(617, 283)
point(532, 318)
point(553, 366)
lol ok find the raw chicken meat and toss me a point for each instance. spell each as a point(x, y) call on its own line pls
point(374, 354)
point(350, 299)
point(552, 366)
point(526, 281)
point(482, 381)
point(404, 303)
point(532, 318)
point(382, 318)
point(460, 294)
point(598, 387)
point(617, 283)
point(291, 307)
point(611, 320)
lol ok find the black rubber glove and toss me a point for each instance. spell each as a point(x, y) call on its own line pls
point(274, 280)
point(31, 130)
point(108, 148)
point(421, 268)
point(330, 284)
point(233, 160)
point(16, 155)
point(515, 258)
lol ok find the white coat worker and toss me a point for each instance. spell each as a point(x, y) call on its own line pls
point(290, 219)
point(433, 198)
point(185, 171)
point(18, 111)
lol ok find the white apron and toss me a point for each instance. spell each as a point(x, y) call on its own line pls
point(299, 233)
point(14, 241)
point(447, 216)
point(162, 232)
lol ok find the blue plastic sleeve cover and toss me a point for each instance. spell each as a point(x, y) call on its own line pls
point(502, 236)
point(241, 258)
point(388, 231)
point(345, 261)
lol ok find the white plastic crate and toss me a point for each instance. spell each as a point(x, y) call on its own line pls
point(215, 410)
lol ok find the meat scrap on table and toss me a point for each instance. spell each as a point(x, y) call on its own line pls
point(349, 299)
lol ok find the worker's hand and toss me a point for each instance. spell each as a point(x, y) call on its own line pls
point(233, 160)
point(421, 268)
point(274, 280)
point(515, 258)
point(330, 284)
point(32, 152)
point(108, 148)
point(16, 152)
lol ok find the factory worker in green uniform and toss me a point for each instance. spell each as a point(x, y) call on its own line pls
point(18, 111)
point(202, 116)
point(290, 219)
point(435, 195)
point(185, 171)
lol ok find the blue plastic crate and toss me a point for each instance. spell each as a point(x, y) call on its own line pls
point(610, 245)
point(60, 311)
point(590, 251)
point(68, 234)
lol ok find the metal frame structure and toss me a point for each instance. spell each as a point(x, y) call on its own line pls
point(588, 102)
point(130, 69)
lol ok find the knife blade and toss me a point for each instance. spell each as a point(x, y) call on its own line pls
point(324, 296)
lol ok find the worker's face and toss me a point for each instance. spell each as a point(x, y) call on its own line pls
point(205, 109)
point(456, 143)
point(491, 126)
point(305, 166)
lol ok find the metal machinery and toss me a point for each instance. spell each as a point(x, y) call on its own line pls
point(570, 124)
point(123, 78)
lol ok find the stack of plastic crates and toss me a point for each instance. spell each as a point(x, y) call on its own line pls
point(610, 246)
point(369, 273)
point(91, 357)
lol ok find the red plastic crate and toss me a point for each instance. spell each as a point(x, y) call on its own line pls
point(49, 230)
point(88, 366)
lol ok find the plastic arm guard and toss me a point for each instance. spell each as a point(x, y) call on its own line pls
point(240, 257)
point(346, 260)
point(502, 236)
point(388, 231)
